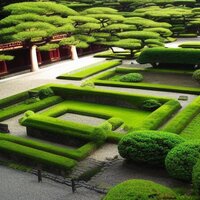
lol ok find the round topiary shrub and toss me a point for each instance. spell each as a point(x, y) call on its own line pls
point(148, 146)
point(131, 77)
point(196, 177)
point(181, 160)
point(139, 189)
point(151, 104)
point(46, 92)
point(196, 75)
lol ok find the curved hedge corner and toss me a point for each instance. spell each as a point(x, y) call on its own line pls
point(149, 147)
point(181, 160)
point(139, 189)
point(170, 55)
point(196, 178)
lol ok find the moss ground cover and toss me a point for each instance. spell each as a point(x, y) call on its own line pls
point(91, 70)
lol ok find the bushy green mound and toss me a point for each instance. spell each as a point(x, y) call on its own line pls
point(151, 104)
point(131, 77)
point(46, 92)
point(170, 56)
point(139, 189)
point(196, 75)
point(148, 146)
point(196, 177)
point(181, 160)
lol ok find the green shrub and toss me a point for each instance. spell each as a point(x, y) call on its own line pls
point(46, 92)
point(115, 122)
point(170, 55)
point(88, 84)
point(181, 160)
point(151, 104)
point(131, 77)
point(196, 177)
point(139, 190)
point(99, 135)
point(31, 100)
point(183, 118)
point(196, 75)
point(106, 126)
point(149, 147)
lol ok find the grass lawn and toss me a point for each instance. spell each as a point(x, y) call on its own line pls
point(131, 117)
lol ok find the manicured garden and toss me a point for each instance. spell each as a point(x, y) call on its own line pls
point(149, 130)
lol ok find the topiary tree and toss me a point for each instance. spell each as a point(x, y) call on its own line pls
point(149, 147)
point(139, 189)
point(43, 21)
point(181, 160)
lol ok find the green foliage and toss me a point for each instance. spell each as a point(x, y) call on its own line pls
point(88, 84)
point(6, 57)
point(183, 118)
point(149, 147)
point(170, 55)
point(99, 135)
point(99, 10)
point(164, 32)
point(32, 100)
point(48, 47)
point(38, 156)
point(160, 115)
point(195, 45)
point(115, 122)
point(196, 75)
point(46, 92)
point(139, 189)
point(151, 104)
point(91, 70)
point(131, 77)
point(139, 35)
point(181, 160)
point(196, 177)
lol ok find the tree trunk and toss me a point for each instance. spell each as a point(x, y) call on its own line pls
point(74, 52)
point(34, 61)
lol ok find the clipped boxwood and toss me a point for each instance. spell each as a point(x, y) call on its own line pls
point(181, 160)
point(148, 146)
point(170, 56)
point(139, 189)
point(196, 177)
point(196, 75)
point(151, 104)
point(131, 77)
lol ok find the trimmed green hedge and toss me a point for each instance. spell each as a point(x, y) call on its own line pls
point(77, 154)
point(159, 116)
point(170, 56)
point(22, 107)
point(181, 160)
point(38, 156)
point(91, 70)
point(139, 190)
point(196, 177)
point(196, 75)
point(183, 118)
point(195, 45)
point(149, 147)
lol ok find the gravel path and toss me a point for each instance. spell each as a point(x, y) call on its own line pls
point(16, 185)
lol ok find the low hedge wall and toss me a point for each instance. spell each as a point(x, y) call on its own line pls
point(39, 105)
point(38, 156)
point(102, 96)
point(64, 129)
point(77, 154)
point(194, 45)
point(84, 73)
point(183, 118)
point(159, 116)
point(196, 177)
point(170, 56)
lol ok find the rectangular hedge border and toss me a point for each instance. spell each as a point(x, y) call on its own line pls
point(77, 154)
point(183, 118)
point(90, 71)
point(148, 86)
point(44, 158)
